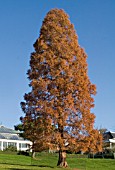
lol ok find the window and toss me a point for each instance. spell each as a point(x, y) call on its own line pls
point(23, 145)
point(4, 145)
point(12, 144)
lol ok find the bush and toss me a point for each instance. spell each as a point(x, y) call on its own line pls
point(11, 149)
point(23, 153)
point(109, 155)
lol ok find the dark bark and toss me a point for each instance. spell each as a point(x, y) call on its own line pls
point(62, 159)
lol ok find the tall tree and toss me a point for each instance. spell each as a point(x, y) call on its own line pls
point(58, 108)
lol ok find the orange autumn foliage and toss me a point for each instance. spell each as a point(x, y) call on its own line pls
point(58, 108)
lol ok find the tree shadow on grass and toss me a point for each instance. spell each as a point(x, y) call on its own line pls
point(43, 166)
point(16, 169)
point(28, 168)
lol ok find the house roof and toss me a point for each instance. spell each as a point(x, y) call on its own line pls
point(4, 129)
point(2, 137)
point(113, 134)
point(7, 133)
point(10, 136)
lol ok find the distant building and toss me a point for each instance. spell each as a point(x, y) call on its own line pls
point(109, 139)
point(10, 137)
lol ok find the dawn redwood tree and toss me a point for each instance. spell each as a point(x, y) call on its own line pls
point(58, 108)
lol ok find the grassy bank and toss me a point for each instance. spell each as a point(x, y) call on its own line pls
point(47, 161)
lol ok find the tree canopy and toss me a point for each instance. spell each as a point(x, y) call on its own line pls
point(58, 107)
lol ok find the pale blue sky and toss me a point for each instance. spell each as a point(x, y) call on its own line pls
point(20, 22)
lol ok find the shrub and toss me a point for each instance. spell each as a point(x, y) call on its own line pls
point(23, 153)
point(106, 155)
point(11, 149)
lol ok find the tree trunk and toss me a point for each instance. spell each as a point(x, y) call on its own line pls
point(33, 154)
point(62, 159)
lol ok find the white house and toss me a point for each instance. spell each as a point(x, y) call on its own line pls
point(10, 137)
point(109, 139)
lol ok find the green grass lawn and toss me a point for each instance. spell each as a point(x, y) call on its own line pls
point(47, 161)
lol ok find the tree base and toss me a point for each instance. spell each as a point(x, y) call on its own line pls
point(62, 160)
point(63, 164)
